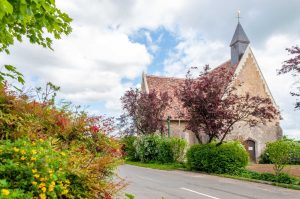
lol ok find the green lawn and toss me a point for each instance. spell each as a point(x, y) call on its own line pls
point(167, 166)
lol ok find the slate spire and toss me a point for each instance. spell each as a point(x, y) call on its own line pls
point(238, 44)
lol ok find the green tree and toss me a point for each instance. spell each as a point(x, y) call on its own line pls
point(30, 19)
point(281, 153)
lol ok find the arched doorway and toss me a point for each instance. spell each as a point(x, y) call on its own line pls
point(250, 147)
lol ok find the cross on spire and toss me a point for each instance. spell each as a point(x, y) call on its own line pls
point(238, 15)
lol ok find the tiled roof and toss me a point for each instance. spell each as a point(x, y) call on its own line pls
point(172, 84)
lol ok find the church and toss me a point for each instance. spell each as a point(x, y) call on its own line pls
point(247, 71)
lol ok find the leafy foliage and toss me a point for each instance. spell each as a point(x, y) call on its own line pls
point(226, 158)
point(31, 18)
point(92, 152)
point(165, 153)
point(153, 148)
point(213, 106)
point(129, 147)
point(292, 66)
point(295, 157)
point(147, 148)
point(282, 152)
point(35, 169)
point(37, 20)
point(178, 147)
point(145, 110)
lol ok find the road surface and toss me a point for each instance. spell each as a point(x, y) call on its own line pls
point(147, 183)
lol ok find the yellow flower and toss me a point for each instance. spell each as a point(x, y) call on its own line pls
point(67, 181)
point(44, 189)
point(50, 171)
point(51, 188)
point(42, 179)
point(34, 183)
point(5, 192)
point(42, 196)
point(34, 170)
point(42, 185)
point(62, 153)
point(23, 158)
point(23, 152)
point(41, 140)
point(65, 192)
point(52, 183)
point(33, 152)
point(33, 159)
point(16, 149)
point(36, 175)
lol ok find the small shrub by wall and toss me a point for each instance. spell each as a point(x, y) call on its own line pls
point(178, 147)
point(292, 152)
point(229, 157)
point(147, 148)
point(165, 152)
point(153, 148)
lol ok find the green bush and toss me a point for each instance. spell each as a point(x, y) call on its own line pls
point(165, 152)
point(34, 169)
point(178, 147)
point(147, 148)
point(129, 148)
point(229, 157)
point(153, 148)
point(293, 152)
point(282, 152)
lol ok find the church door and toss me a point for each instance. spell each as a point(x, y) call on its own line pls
point(250, 147)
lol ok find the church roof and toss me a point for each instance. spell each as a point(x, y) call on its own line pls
point(172, 84)
point(239, 35)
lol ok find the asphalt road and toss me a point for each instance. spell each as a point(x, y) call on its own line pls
point(147, 183)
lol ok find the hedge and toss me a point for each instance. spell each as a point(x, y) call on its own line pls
point(229, 157)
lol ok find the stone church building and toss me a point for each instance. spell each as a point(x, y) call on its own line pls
point(247, 71)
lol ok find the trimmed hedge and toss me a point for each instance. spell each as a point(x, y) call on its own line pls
point(229, 157)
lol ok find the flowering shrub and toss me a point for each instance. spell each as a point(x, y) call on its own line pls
point(91, 157)
point(35, 169)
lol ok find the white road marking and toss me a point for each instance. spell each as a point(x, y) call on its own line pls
point(198, 193)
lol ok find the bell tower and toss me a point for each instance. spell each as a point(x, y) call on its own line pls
point(239, 43)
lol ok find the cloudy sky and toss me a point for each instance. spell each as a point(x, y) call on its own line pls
point(113, 41)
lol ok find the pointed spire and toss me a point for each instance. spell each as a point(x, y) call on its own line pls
point(239, 35)
point(239, 43)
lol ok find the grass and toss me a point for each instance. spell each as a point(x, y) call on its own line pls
point(289, 186)
point(159, 166)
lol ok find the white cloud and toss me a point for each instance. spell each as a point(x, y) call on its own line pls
point(90, 64)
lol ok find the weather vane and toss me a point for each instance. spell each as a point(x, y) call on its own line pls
point(238, 15)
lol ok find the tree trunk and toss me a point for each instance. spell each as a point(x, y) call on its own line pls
point(198, 138)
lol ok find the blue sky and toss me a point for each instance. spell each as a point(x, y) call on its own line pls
point(113, 42)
